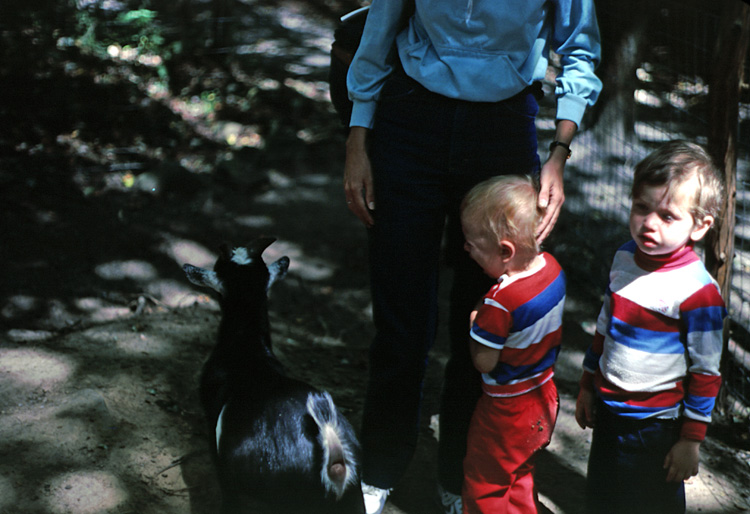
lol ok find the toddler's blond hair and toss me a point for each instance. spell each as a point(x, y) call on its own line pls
point(505, 207)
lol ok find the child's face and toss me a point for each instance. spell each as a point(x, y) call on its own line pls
point(660, 224)
point(485, 251)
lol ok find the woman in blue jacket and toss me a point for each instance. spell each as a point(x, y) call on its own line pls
point(441, 102)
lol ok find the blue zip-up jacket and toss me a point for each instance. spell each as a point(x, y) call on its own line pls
point(479, 50)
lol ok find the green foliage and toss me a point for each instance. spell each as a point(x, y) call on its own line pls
point(136, 36)
point(86, 25)
point(132, 34)
point(139, 17)
point(143, 30)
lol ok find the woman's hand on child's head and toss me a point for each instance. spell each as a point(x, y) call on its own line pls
point(683, 460)
point(551, 198)
point(585, 408)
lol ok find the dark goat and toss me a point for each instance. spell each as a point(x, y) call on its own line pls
point(280, 444)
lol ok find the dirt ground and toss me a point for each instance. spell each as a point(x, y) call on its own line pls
point(102, 337)
point(98, 409)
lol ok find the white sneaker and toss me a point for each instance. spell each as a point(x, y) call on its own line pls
point(374, 498)
point(452, 503)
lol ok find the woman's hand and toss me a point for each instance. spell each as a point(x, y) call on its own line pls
point(551, 195)
point(360, 197)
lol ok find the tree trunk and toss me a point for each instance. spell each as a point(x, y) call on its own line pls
point(624, 30)
point(723, 115)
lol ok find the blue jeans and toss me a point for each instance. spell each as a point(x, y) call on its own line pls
point(426, 152)
point(625, 472)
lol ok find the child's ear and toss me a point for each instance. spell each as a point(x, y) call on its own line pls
point(701, 227)
point(507, 250)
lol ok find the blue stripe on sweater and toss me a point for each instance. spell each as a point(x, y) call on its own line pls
point(645, 340)
point(635, 411)
point(504, 373)
point(591, 360)
point(486, 337)
point(701, 405)
point(530, 312)
point(705, 319)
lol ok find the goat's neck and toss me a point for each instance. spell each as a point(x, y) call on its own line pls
point(245, 334)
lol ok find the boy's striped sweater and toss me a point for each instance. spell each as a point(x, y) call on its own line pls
point(521, 316)
point(658, 341)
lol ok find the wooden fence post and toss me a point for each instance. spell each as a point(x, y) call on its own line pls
point(730, 54)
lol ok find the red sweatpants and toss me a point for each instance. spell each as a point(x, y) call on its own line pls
point(504, 436)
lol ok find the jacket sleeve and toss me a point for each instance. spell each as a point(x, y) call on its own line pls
point(576, 39)
point(372, 62)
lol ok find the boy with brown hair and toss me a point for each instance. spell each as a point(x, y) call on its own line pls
point(651, 375)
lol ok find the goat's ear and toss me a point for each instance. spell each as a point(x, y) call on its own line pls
point(203, 277)
point(256, 248)
point(277, 271)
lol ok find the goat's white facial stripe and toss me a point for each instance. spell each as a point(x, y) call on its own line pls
point(240, 256)
point(219, 424)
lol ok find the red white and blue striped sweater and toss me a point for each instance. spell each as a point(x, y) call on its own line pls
point(658, 341)
point(521, 316)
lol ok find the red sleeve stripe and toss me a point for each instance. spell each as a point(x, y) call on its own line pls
point(707, 296)
point(704, 385)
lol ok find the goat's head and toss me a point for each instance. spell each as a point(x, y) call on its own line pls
point(240, 271)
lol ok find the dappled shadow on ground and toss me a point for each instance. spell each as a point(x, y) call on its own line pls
point(111, 178)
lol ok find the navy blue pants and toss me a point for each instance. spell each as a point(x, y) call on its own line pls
point(426, 152)
point(625, 472)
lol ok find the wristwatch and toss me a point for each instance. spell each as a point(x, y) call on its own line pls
point(553, 144)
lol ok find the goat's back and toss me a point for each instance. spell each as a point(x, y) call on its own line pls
point(269, 452)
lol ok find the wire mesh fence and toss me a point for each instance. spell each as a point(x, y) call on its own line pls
point(656, 68)
point(737, 369)
point(667, 49)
